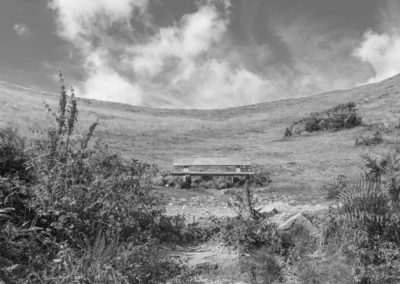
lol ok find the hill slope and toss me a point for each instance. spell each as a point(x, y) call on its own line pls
point(255, 131)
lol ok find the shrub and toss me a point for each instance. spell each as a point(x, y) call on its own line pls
point(372, 220)
point(338, 185)
point(327, 270)
point(259, 244)
point(110, 264)
point(174, 229)
point(262, 265)
point(343, 116)
point(376, 139)
point(379, 169)
point(14, 160)
point(83, 190)
point(367, 222)
point(87, 216)
point(261, 178)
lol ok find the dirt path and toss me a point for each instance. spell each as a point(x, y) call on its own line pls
point(195, 205)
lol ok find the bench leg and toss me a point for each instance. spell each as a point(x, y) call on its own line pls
point(187, 179)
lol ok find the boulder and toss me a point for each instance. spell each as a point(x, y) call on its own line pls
point(298, 222)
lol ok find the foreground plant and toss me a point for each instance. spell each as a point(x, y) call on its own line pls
point(367, 222)
point(87, 216)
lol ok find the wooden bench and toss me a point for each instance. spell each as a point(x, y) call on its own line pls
point(187, 173)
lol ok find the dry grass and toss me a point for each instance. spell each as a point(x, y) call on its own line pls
point(256, 131)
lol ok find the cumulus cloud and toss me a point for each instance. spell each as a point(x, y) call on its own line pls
point(234, 86)
point(381, 50)
point(22, 30)
point(172, 67)
point(192, 38)
point(216, 84)
point(86, 25)
point(182, 56)
point(77, 19)
point(194, 63)
point(108, 85)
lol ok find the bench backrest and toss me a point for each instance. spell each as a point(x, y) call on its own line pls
point(202, 162)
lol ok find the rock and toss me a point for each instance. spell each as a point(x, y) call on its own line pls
point(275, 211)
point(268, 214)
point(296, 222)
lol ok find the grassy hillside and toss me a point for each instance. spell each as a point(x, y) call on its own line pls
point(255, 131)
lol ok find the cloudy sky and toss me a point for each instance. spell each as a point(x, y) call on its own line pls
point(198, 53)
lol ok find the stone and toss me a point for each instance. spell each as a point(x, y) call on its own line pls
point(296, 222)
point(268, 214)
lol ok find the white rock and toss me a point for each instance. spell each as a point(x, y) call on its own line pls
point(298, 221)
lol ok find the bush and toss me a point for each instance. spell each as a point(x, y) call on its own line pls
point(343, 116)
point(110, 264)
point(262, 265)
point(261, 178)
point(376, 139)
point(337, 186)
point(87, 216)
point(14, 160)
point(367, 222)
point(327, 270)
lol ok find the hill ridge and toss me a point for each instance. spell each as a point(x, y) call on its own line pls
point(253, 131)
point(190, 110)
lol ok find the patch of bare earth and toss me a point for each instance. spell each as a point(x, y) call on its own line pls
point(219, 264)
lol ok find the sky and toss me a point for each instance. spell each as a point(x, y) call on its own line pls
point(200, 54)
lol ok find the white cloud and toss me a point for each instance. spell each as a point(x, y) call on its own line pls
point(107, 85)
point(193, 37)
point(22, 30)
point(181, 56)
point(216, 84)
point(382, 50)
point(86, 24)
point(78, 18)
point(172, 59)
point(191, 63)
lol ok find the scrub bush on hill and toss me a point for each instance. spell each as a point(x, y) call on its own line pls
point(75, 212)
point(343, 116)
point(375, 139)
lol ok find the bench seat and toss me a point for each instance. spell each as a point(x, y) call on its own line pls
point(197, 173)
point(210, 162)
point(219, 162)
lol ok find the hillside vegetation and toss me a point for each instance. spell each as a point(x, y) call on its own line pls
point(343, 116)
point(256, 131)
